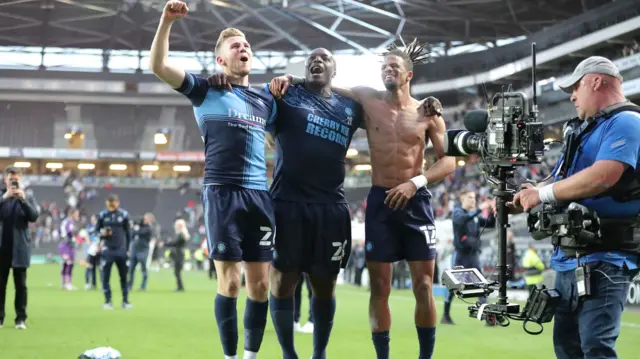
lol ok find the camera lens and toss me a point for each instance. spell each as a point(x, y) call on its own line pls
point(467, 142)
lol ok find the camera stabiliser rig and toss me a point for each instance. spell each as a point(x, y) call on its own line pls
point(505, 136)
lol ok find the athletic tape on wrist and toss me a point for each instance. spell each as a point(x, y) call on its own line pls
point(546, 194)
point(420, 181)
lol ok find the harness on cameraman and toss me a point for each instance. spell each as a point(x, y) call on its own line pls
point(628, 187)
point(576, 229)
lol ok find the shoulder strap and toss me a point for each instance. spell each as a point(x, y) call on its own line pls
point(616, 108)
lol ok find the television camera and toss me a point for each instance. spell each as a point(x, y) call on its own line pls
point(505, 136)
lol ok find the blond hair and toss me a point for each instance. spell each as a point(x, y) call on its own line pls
point(184, 231)
point(225, 34)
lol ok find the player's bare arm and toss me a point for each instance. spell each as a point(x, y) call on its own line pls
point(445, 165)
point(159, 56)
point(359, 94)
point(280, 84)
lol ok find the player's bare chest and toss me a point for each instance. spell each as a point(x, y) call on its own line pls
point(405, 125)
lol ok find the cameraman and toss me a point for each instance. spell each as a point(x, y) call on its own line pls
point(467, 225)
point(16, 211)
point(142, 234)
point(599, 167)
point(114, 229)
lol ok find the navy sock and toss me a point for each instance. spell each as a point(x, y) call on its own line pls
point(255, 320)
point(381, 343)
point(322, 312)
point(427, 339)
point(227, 319)
point(282, 318)
point(87, 276)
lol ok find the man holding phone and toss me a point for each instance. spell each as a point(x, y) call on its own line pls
point(16, 211)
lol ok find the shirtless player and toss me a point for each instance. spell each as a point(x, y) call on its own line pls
point(399, 220)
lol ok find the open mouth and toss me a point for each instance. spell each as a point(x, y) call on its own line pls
point(316, 70)
point(244, 58)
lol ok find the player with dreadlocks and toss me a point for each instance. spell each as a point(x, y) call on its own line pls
point(399, 222)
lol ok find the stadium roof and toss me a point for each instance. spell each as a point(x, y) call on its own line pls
point(278, 25)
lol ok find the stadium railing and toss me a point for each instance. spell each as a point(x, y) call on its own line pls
point(137, 182)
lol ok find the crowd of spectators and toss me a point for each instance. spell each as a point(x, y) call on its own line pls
point(468, 175)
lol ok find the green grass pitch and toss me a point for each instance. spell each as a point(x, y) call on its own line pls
point(168, 325)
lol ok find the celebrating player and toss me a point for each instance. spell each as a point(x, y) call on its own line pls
point(313, 131)
point(237, 205)
point(399, 221)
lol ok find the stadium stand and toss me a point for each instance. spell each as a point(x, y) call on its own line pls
point(582, 24)
point(192, 138)
point(119, 127)
point(25, 124)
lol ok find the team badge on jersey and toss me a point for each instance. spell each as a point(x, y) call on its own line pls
point(349, 112)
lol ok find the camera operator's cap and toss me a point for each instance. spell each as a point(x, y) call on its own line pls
point(12, 169)
point(591, 65)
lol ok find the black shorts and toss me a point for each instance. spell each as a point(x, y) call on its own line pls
point(239, 222)
point(93, 259)
point(393, 235)
point(314, 238)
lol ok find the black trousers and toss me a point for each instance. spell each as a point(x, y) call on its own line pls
point(93, 271)
point(177, 271)
point(357, 280)
point(298, 298)
point(120, 261)
point(212, 270)
point(20, 283)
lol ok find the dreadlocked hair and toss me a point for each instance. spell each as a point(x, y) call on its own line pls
point(413, 54)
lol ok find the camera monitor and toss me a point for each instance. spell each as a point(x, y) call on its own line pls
point(468, 282)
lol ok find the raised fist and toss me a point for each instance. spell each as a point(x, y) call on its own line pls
point(431, 106)
point(175, 10)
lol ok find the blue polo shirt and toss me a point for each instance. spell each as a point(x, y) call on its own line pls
point(616, 138)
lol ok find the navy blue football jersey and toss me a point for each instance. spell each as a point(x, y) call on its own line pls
point(232, 125)
point(312, 136)
point(118, 222)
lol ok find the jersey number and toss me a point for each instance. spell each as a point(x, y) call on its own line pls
point(339, 254)
point(265, 240)
point(430, 234)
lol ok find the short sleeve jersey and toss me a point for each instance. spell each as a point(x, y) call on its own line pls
point(232, 125)
point(312, 135)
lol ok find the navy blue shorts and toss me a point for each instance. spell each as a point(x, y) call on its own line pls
point(240, 223)
point(314, 238)
point(394, 235)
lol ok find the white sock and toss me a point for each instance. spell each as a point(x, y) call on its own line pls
point(228, 357)
point(250, 355)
